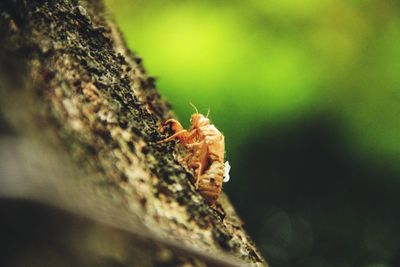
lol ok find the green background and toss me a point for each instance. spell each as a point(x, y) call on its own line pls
point(307, 94)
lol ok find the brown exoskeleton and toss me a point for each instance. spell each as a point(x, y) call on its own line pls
point(205, 146)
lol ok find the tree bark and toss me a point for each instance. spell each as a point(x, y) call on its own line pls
point(79, 119)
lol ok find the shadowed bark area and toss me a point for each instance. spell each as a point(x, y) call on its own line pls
point(79, 119)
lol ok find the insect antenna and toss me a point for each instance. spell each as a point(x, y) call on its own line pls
point(195, 109)
point(208, 112)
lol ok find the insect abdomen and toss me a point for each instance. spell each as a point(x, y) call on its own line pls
point(210, 182)
point(209, 190)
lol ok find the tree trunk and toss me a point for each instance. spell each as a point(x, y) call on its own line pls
point(79, 119)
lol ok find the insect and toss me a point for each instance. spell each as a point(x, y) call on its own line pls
point(205, 147)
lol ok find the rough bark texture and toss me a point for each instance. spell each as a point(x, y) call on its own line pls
point(79, 132)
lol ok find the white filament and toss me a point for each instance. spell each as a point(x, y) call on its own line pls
point(227, 168)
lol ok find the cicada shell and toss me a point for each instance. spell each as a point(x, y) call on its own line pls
point(205, 146)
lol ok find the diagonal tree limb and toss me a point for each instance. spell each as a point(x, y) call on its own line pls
point(83, 115)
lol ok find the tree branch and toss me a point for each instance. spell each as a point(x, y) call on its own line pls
point(82, 117)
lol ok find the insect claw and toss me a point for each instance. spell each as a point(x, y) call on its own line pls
point(196, 184)
point(161, 129)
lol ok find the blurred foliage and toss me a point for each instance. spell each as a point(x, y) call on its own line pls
point(307, 94)
point(257, 62)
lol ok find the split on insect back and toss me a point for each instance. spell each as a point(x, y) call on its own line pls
point(205, 152)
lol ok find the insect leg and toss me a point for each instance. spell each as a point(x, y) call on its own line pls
point(175, 135)
point(197, 176)
point(195, 145)
point(188, 157)
point(175, 126)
